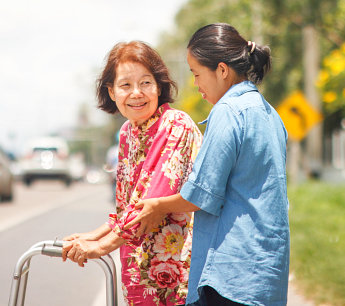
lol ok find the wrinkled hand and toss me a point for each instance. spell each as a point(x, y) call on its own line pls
point(72, 237)
point(149, 217)
point(83, 236)
point(80, 250)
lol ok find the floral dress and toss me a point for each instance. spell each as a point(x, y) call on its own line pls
point(154, 161)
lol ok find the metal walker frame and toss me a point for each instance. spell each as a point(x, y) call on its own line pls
point(53, 248)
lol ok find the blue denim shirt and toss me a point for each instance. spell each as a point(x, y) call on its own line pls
point(241, 241)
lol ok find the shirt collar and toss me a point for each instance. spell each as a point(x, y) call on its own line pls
point(235, 91)
point(239, 89)
point(143, 128)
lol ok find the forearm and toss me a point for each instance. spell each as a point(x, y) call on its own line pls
point(100, 232)
point(175, 204)
point(80, 249)
point(94, 235)
point(103, 230)
point(110, 242)
point(154, 210)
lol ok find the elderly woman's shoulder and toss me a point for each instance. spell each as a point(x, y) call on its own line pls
point(125, 126)
point(176, 116)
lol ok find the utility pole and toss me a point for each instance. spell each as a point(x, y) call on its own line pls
point(313, 160)
point(257, 22)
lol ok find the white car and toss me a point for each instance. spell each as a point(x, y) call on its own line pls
point(46, 158)
point(6, 178)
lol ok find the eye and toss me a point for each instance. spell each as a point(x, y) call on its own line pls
point(124, 85)
point(146, 83)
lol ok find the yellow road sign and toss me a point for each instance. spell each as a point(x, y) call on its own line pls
point(298, 115)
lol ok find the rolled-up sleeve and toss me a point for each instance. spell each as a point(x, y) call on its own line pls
point(206, 185)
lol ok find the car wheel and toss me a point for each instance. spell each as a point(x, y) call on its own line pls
point(68, 182)
point(28, 181)
point(8, 198)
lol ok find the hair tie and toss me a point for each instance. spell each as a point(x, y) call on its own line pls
point(252, 44)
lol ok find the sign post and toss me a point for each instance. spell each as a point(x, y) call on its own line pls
point(299, 118)
point(298, 115)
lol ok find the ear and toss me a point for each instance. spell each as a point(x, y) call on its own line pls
point(111, 93)
point(223, 70)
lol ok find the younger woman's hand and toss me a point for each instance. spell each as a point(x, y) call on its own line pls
point(150, 217)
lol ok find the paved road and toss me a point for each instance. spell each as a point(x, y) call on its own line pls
point(43, 212)
point(295, 298)
point(48, 210)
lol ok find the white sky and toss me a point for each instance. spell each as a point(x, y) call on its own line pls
point(51, 53)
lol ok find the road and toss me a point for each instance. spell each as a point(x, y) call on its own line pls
point(43, 212)
point(47, 210)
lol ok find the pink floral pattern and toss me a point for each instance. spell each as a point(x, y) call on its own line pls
point(155, 160)
point(167, 274)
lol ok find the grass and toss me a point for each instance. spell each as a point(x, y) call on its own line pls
point(317, 223)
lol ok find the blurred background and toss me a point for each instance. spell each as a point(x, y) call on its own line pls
point(52, 52)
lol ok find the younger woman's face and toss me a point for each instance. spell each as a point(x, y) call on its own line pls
point(135, 92)
point(210, 85)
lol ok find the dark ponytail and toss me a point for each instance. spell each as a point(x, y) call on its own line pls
point(220, 42)
point(260, 60)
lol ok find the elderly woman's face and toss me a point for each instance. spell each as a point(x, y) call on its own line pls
point(135, 92)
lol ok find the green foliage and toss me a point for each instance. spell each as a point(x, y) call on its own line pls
point(332, 79)
point(317, 218)
point(197, 13)
point(192, 103)
point(281, 25)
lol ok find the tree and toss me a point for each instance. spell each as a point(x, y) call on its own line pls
point(331, 81)
point(300, 34)
point(192, 16)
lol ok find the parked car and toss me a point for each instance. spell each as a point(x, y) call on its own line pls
point(46, 158)
point(6, 178)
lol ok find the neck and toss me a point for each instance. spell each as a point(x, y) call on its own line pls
point(237, 79)
point(136, 123)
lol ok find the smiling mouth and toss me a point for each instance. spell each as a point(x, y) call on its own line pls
point(137, 105)
point(203, 95)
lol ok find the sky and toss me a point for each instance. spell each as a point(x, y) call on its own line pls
point(51, 53)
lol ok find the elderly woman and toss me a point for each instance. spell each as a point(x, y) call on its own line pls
point(157, 148)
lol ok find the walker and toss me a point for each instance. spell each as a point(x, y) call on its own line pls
point(53, 248)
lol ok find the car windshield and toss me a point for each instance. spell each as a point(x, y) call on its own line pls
point(45, 149)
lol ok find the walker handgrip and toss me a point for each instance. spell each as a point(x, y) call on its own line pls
point(58, 243)
point(52, 251)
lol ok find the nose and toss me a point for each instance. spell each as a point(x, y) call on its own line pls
point(136, 92)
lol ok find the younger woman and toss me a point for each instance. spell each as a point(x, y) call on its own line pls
point(240, 251)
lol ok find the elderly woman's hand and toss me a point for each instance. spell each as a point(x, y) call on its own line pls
point(72, 237)
point(80, 250)
point(96, 234)
point(84, 236)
